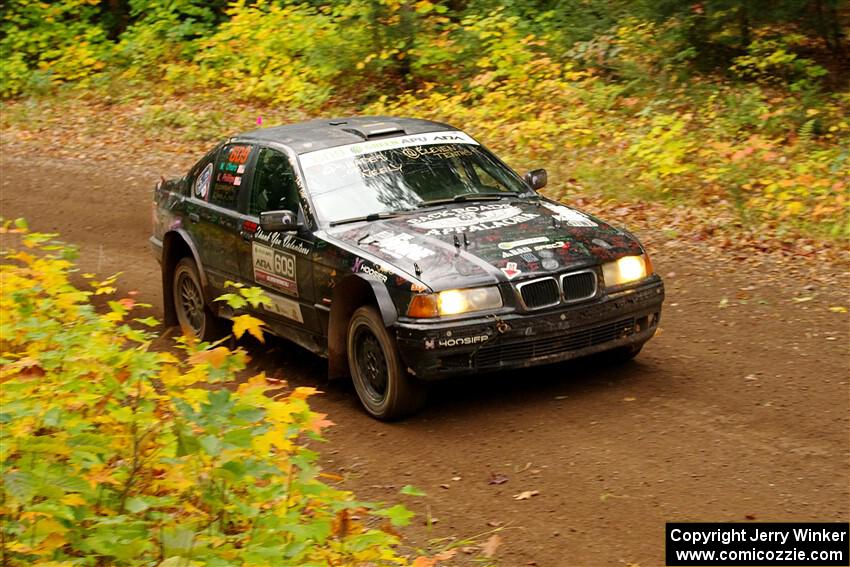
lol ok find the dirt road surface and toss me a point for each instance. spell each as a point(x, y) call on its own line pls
point(736, 411)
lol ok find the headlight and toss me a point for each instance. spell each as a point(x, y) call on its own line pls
point(455, 302)
point(626, 270)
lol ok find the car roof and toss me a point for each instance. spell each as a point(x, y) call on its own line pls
point(320, 134)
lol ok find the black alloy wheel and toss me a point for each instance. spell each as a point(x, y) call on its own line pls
point(385, 388)
point(193, 315)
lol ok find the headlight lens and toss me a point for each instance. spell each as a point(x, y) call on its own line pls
point(455, 302)
point(626, 270)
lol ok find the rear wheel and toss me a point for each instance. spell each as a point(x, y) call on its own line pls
point(384, 387)
point(193, 315)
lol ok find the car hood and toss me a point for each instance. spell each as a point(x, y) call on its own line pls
point(467, 244)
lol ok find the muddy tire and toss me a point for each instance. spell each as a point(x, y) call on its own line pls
point(386, 390)
point(193, 315)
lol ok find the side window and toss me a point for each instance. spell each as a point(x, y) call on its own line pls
point(274, 185)
point(228, 175)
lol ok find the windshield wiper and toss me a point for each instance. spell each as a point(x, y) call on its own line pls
point(369, 217)
point(470, 197)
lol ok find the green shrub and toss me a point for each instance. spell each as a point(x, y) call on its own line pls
point(112, 453)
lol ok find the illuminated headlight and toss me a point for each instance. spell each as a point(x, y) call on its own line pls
point(455, 302)
point(626, 270)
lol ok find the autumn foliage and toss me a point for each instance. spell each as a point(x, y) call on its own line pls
point(114, 453)
point(728, 105)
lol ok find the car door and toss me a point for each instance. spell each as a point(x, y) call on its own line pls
point(279, 262)
point(212, 213)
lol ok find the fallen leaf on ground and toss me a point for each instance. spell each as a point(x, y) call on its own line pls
point(490, 547)
point(498, 479)
point(445, 555)
point(525, 495)
point(629, 399)
point(838, 309)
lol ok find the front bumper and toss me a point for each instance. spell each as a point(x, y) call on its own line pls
point(517, 340)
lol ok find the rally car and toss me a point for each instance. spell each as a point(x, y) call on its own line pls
point(403, 251)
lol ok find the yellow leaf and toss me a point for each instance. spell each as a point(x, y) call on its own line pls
point(838, 309)
point(51, 543)
point(257, 382)
point(248, 323)
point(215, 357)
point(303, 392)
point(73, 500)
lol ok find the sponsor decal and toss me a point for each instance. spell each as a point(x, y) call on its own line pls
point(320, 157)
point(417, 287)
point(442, 152)
point(400, 246)
point(568, 216)
point(276, 240)
point(202, 184)
point(240, 169)
point(429, 344)
point(600, 242)
point(550, 264)
point(517, 252)
point(472, 219)
point(511, 271)
point(526, 242)
point(460, 341)
point(274, 268)
point(551, 245)
point(283, 307)
point(229, 179)
point(372, 171)
point(529, 257)
point(371, 272)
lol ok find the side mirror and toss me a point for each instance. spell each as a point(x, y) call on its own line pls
point(278, 221)
point(536, 178)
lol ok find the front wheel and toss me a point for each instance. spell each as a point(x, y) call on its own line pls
point(384, 387)
point(623, 354)
point(193, 315)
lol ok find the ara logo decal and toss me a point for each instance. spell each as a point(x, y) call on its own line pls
point(511, 271)
point(429, 344)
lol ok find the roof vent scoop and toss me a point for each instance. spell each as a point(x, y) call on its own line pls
point(375, 130)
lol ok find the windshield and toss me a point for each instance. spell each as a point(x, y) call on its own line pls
point(402, 174)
